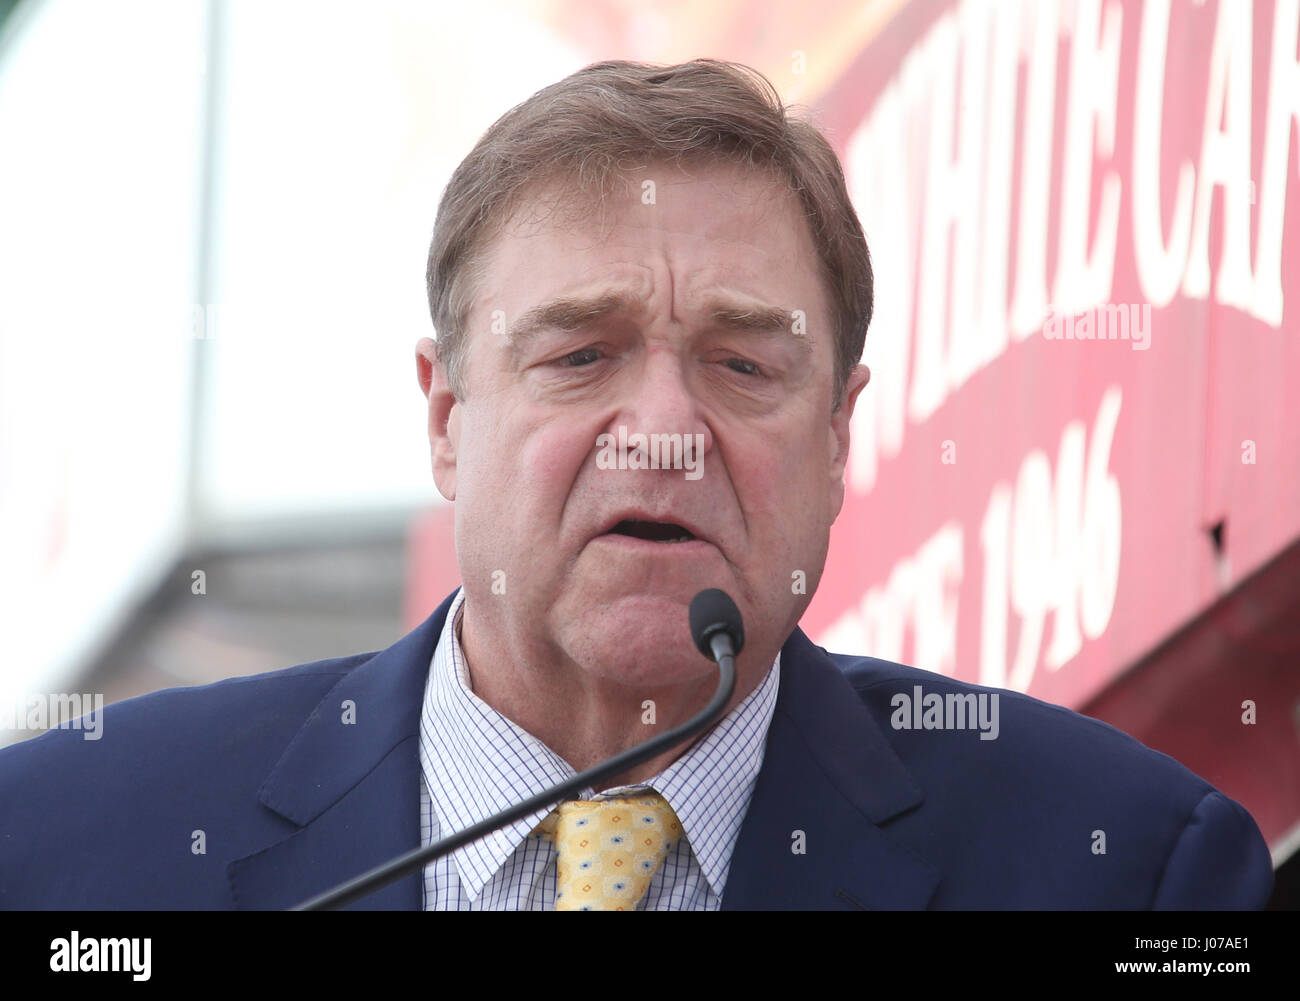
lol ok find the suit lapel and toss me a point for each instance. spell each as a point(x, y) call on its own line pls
point(352, 788)
point(829, 773)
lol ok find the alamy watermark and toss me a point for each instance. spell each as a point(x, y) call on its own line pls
point(56, 711)
point(651, 451)
point(1113, 321)
point(953, 711)
point(75, 954)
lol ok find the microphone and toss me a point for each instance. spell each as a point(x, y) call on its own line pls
point(716, 625)
point(718, 633)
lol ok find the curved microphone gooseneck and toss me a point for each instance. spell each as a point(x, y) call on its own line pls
point(719, 634)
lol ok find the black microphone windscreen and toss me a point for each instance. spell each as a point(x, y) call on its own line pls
point(712, 612)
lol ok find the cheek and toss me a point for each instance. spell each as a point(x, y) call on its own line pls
point(788, 492)
point(487, 481)
point(521, 478)
point(551, 456)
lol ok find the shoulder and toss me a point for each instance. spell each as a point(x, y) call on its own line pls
point(1087, 804)
point(189, 722)
point(913, 705)
point(95, 818)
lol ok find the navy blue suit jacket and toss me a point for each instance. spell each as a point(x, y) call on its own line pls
point(291, 800)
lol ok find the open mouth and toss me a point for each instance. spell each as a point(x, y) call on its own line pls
point(652, 531)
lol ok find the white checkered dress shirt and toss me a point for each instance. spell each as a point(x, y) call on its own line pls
point(476, 762)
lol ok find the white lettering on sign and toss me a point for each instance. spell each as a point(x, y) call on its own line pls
point(1225, 162)
point(930, 167)
point(1159, 263)
point(1283, 110)
point(1083, 275)
point(1051, 548)
point(919, 598)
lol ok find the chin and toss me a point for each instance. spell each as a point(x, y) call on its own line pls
point(642, 642)
point(658, 670)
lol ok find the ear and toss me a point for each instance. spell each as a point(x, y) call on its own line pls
point(839, 435)
point(444, 416)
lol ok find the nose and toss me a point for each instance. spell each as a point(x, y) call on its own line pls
point(661, 401)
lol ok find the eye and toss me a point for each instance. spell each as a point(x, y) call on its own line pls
point(742, 366)
point(580, 359)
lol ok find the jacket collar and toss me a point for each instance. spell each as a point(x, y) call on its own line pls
point(352, 788)
point(813, 837)
point(828, 772)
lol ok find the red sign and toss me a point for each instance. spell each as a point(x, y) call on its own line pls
point(1084, 220)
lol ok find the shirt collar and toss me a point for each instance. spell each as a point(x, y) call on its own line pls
point(476, 761)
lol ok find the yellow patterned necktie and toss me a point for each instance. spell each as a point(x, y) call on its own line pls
point(609, 849)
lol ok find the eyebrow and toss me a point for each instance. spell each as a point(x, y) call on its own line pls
point(571, 313)
point(575, 312)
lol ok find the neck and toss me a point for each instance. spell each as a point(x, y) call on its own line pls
point(583, 718)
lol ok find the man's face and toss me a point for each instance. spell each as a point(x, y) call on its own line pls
point(646, 321)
